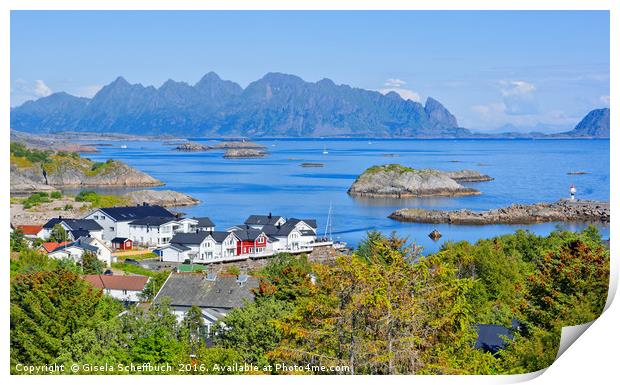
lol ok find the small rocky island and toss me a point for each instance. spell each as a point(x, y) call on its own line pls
point(564, 210)
point(243, 153)
point(397, 181)
point(191, 147)
point(166, 198)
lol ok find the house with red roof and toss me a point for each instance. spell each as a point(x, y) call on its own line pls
point(30, 231)
point(126, 288)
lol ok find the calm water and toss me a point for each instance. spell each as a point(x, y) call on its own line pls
point(525, 171)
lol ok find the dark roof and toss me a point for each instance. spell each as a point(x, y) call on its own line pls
point(187, 289)
point(262, 219)
point(190, 238)
point(75, 234)
point(204, 222)
point(219, 236)
point(282, 231)
point(309, 222)
point(81, 243)
point(491, 338)
point(178, 246)
point(119, 240)
point(152, 221)
point(129, 213)
point(74, 224)
point(247, 234)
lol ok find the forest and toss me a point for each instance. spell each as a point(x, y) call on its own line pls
point(383, 309)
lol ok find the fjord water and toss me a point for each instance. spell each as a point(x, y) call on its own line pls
point(525, 171)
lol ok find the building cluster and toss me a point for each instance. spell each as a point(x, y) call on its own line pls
point(174, 238)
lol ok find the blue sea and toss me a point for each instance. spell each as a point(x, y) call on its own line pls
point(525, 171)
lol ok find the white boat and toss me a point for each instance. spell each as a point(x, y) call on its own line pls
point(124, 146)
point(325, 150)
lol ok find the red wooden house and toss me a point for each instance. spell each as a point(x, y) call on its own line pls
point(120, 243)
point(251, 241)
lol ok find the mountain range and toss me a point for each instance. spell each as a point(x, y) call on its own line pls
point(277, 105)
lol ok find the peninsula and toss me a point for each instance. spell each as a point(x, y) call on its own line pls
point(397, 181)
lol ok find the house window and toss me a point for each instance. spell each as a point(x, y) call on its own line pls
point(111, 228)
point(124, 292)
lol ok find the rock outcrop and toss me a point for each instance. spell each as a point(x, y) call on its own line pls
point(191, 147)
point(561, 211)
point(72, 171)
point(396, 181)
point(166, 198)
point(244, 153)
point(237, 144)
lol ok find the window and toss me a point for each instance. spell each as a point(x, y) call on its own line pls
point(111, 228)
point(124, 292)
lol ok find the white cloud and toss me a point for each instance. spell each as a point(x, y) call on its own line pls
point(403, 92)
point(23, 90)
point(395, 85)
point(393, 82)
point(41, 89)
point(516, 87)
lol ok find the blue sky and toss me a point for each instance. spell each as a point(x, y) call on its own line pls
point(530, 70)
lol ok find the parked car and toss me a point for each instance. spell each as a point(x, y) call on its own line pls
point(131, 261)
point(108, 272)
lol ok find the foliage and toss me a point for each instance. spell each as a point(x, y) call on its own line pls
point(98, 200)
point(286, 277)
point(55, 195)
point(133, 269)
point(91, 264)
point(33, 155)
point(17, 241)
point(153, 285)
point(58, 234)
point(251, 330)
point(35, 199)
point(49, 306)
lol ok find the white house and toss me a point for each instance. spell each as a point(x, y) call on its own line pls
point(158, 231)
point(200, 247)
point(203, 224)
point(215, 296)
point(126, 288)
point(75, 228)
point(115, 220)
point(293, 235)
point(76, 250)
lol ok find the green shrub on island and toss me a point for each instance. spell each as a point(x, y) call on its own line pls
point(20, 150)
point(98, 200)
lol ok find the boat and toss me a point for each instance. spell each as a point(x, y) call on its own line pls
point(124, 146)
point(325, 150)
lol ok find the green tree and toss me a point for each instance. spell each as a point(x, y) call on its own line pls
point(153, 285)
point(91, 264)
point(17, 241)
point(58, 234)
point(49, 306)
point(251, 330)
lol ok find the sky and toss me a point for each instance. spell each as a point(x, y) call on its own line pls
point(494, 70)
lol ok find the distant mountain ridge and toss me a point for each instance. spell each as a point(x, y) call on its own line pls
point(276, 105)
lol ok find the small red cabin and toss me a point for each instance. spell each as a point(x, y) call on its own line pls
point(251, 242)
point(120, 243)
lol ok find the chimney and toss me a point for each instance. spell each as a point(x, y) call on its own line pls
point(269, 215)
point(60, 217)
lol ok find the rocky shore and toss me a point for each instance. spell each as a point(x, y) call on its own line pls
point(244, 153)
point(564, 210)
point(237, 144)
point(166, 198)
point(396, 181)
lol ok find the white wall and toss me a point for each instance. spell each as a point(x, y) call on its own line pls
point(123, 295)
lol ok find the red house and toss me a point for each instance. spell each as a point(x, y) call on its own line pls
point(251, 241)
point(120, 243)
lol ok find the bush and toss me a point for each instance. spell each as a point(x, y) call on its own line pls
point(56, 195)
